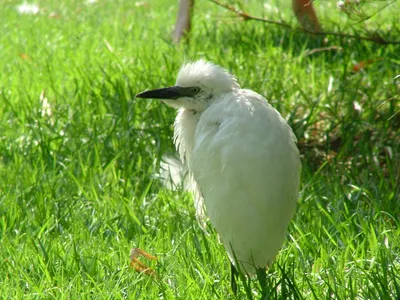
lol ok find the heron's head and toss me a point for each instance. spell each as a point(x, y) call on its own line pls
point(198, 85)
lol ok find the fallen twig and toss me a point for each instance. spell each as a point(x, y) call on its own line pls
point(316, 50)
point(376, 38)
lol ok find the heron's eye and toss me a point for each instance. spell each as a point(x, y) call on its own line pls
point(194, 90)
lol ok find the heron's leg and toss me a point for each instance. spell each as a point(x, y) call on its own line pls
point(234, 275)
point(138, 265)
point(262, 279)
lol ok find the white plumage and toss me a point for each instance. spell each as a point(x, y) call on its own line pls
point(242, 159)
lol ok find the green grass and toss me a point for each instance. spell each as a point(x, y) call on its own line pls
point(77, 185)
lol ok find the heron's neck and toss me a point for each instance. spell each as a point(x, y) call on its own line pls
point(184, 129)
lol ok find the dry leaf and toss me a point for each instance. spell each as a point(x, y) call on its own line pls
point(25, 56)
point(363, 64)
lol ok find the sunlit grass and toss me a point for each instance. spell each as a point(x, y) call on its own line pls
point(78, 153)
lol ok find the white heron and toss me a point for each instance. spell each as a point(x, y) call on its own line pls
point(242, 158)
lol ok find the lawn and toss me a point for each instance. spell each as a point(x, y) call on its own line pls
point(79, 155)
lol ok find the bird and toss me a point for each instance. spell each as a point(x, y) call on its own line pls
point(242, 159)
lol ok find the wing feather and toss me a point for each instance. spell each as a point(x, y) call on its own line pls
point(246, 166)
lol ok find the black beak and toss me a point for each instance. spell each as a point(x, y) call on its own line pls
point(173, 92)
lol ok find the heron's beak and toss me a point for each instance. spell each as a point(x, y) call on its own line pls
point(173, 92)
